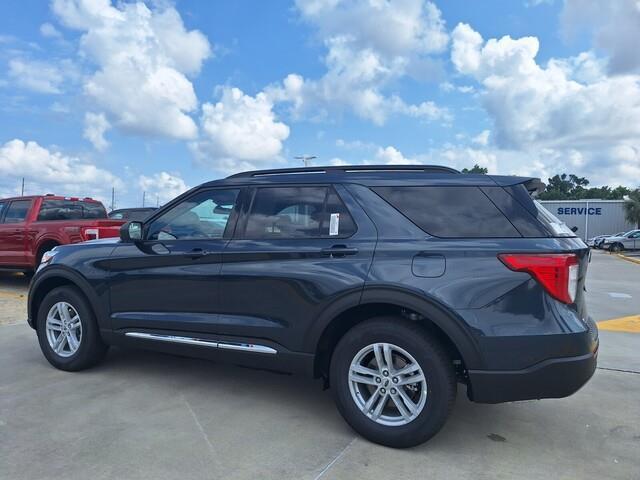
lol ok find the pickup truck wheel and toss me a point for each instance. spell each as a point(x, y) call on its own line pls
point(68, 331)
point(392, 382)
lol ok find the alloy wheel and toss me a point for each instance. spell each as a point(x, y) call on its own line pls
point(64, 329)
point(387, 384)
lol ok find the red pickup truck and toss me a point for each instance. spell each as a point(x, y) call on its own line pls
point(31, 226)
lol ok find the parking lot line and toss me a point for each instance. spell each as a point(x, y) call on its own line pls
point(629, 324)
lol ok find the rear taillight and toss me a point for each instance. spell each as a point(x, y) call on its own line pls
point(90, 234)
point(556, 272)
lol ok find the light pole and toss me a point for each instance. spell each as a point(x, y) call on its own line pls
point(306, 159)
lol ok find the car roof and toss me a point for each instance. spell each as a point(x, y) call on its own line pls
point(373, 175)
point(50, 197)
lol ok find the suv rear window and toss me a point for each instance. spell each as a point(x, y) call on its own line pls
point(70, 210)
point(449, 212)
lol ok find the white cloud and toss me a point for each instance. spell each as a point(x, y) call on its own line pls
point(39, 76)
point(393, 28)
point(369, 44)
point(614, 25)
point(50, 171)
point(392, 156)
point(482, 138)
point(143, 58)
point(239, 132)
point(49, 31)
point(554, 110)
point(95, 126)
point(162, 187)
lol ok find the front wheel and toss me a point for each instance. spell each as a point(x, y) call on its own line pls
point(68, 331)
point(392, 382)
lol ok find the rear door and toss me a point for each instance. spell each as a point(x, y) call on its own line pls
point(298, 250)
point(13, 233)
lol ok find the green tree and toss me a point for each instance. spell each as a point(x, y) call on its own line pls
point(476, 169)
point(632, 207)
point(572, 187)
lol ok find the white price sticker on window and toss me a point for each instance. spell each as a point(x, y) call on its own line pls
point(334, 224)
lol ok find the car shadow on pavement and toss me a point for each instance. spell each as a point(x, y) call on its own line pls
point(14, 280)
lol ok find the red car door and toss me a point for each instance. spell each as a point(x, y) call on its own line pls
point(13, 233)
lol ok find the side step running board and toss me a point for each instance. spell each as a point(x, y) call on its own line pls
point(245, 347)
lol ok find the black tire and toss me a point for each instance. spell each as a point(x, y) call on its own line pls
point(433, 360)
point(91, 349)
point(616, 247)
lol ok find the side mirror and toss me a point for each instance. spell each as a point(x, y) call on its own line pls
point(131, 232)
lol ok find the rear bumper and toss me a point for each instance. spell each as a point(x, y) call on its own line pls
point(553, 378)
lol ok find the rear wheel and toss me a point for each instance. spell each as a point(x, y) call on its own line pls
point(68, 331)
point(392, 382)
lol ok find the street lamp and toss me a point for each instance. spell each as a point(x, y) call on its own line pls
point(306, 159)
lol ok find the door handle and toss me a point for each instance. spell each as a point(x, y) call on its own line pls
point(197, 253)
point(339, 251)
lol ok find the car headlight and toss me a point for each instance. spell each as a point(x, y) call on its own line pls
point(47, 257)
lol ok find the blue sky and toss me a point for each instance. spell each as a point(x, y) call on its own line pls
point(158, 96)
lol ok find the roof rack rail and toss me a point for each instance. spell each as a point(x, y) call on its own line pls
point(346, 169)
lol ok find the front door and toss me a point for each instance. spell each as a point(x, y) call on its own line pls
point(169, 280)
point(298, 250)
point(13, 233)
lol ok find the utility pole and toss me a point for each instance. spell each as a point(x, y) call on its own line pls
point(306, 159)
point(113, 198)
point(144, 196)
point(158, 200)
point(22, 193)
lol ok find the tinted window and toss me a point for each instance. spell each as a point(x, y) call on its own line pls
point(131, 215)
point(17, 211)
point(70, 210)
point(204, 215)
point(2, 204)
point(453, 212)
point(298, 212)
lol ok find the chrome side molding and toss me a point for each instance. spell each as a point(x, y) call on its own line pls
point(245, 347)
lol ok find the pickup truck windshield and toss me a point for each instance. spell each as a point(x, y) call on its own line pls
point(70, 210)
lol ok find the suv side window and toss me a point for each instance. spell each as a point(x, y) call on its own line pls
point(2, 205)
point(449, 212)
point(17, 211)
point(204, 215)
point(298, 212)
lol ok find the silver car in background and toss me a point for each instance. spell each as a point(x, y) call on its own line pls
point(626, 241)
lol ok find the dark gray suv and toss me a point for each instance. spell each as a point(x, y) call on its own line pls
point(392, 284)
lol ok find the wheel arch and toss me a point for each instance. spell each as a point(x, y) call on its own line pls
point(54, 277)
point(45, 242)
point(443, 323)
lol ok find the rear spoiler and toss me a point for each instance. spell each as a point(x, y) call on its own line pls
point(533, 185)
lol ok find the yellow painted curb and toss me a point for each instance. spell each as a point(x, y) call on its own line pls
point(623, 324)
point(628, 259)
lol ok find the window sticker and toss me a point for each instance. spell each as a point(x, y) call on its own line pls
point(334, 224)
